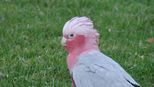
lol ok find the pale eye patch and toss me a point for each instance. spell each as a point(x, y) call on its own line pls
point(70, 36)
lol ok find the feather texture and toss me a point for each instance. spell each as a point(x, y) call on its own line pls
point(97, 70)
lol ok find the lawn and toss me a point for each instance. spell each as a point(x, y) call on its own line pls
point(30, 32)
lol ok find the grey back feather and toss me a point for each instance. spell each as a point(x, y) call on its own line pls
point(97, 70)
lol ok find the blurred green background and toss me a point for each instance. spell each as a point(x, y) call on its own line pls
point(30, 33)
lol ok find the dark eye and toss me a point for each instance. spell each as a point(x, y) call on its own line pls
point(70, 35)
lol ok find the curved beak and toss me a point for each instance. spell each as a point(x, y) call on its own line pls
point(63, 41)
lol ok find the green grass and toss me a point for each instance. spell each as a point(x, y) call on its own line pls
point(30, 33)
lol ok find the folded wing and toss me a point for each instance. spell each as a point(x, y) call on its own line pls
point(97, 70)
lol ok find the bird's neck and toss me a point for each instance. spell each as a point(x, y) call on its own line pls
point(73, 55)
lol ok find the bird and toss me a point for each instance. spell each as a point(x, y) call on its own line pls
point(87, 65)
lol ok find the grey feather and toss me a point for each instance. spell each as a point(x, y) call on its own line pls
point(97, 70)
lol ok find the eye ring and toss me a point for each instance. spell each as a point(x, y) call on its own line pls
point(71, 36)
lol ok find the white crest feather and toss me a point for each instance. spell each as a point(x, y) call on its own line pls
point(78, 24)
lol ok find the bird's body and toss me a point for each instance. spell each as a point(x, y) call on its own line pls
point(94, 69)
point(88, 66)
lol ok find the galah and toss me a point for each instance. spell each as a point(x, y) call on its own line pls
point(87, 65)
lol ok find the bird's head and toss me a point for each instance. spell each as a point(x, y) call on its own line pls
point(79, 35)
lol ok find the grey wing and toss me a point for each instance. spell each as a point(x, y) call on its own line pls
point(119, 70)
point(96, 69)
point(96, 76)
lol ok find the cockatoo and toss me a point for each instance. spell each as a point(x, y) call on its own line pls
point(87, 65)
